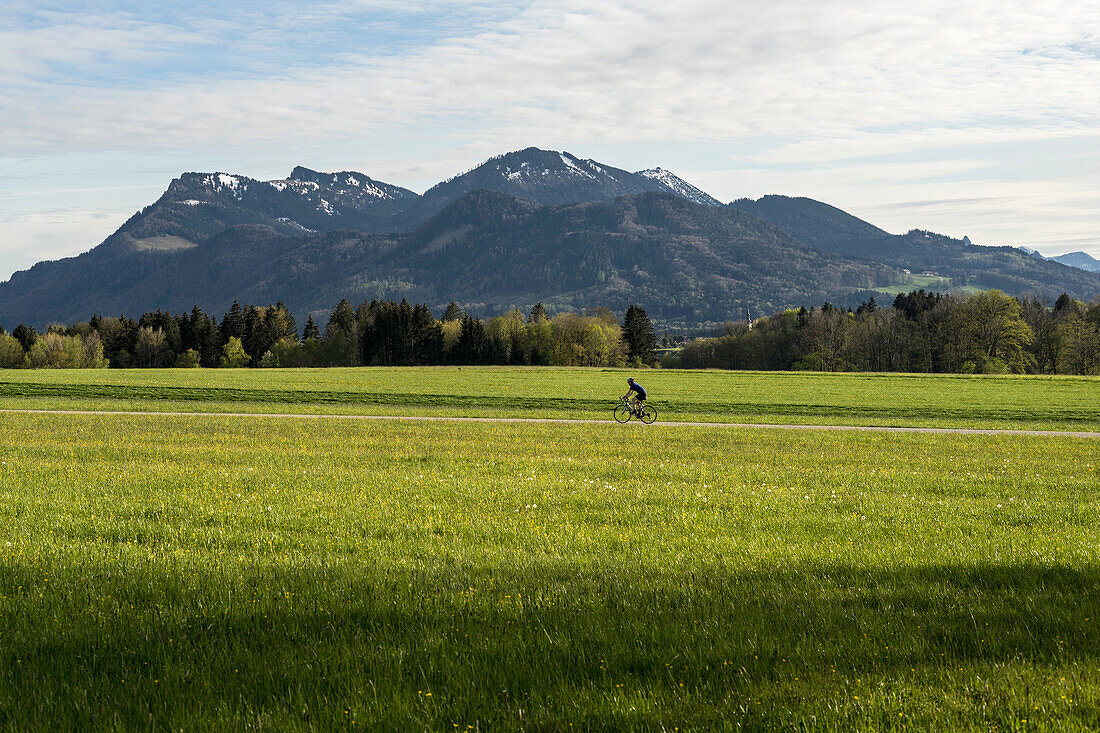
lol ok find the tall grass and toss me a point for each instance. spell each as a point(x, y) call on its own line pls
point(204, 572)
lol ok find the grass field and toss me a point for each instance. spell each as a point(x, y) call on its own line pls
point(932, 283)
point(194, 572)
point(1069, 403)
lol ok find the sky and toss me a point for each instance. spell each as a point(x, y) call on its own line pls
point(979, 119)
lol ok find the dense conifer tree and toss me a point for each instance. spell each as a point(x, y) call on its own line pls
point(25, 335)
point(473, 342)
point(232, 325)
point(453, 313)
point(253, 338)
point(538, 313)
point(282, 323)
point(1064, 304)
point(639, 335)
point(427, 336)
point(916, 303)
point(311, 332)
point(343, 318)
point(203, 335)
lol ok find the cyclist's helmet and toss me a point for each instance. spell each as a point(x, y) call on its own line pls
point(630, 380)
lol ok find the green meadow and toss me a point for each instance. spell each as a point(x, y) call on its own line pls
point(1035, 402)
point(224, 572)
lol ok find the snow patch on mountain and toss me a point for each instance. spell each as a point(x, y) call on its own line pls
point(576, 169)
point(596, 167)
point(351, 184)
point(296, 225)
point(679, 186)
point(515, 175)
point(220, 182)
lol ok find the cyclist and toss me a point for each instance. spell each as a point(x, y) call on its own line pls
point(639, 394)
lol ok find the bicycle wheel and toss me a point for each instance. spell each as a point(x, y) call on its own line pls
point(649, 414)
point(622, 413)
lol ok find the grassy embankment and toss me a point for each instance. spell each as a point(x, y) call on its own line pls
point(199, 572)
point(1060, 403)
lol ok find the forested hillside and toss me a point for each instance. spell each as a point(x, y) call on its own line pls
point(829, 229)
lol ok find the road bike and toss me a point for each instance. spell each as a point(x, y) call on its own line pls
point(624, 411)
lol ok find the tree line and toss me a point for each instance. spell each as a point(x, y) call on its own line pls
point(376, 333)
point(990, 333)
point(921, 331)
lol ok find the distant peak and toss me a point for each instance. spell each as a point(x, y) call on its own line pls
point(301, 173)
point(528, 155)
point(348, 182)
point(336, 179)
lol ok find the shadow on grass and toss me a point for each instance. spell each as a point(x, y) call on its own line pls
point(542, 648)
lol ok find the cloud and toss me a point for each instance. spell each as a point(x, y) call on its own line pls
point(32, 53)
point(695, 70)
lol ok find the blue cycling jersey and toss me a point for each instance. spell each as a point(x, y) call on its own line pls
point(635, 387)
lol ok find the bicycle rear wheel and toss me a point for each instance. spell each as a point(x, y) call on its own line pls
point(649, 414)
point(622, 413)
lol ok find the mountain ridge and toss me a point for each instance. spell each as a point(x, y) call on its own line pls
point(831, 230)
point(490, 251)
point(345, 233)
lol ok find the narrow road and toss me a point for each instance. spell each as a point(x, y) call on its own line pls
point(657, 425)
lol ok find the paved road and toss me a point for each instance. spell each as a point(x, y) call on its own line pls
point(430, 418)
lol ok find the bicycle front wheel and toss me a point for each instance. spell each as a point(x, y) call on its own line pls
point(649, 414)
point(622, 413)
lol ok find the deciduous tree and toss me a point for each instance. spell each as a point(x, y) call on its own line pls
point(233, 354)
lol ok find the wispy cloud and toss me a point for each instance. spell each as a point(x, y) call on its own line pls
point(697, 70)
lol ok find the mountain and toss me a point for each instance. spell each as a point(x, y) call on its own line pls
point(830, 230)
point(686, 263)
point(540, 176)
point(522, 227)
point(196, 209)
point(1080, 260)
point(198, 205)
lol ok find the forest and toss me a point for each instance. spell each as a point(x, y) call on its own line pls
point(987, 333)
point(991, 333)
point(376, 333)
